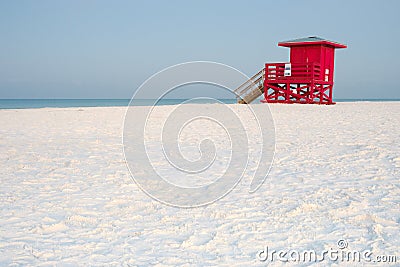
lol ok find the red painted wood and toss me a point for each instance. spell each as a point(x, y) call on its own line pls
point(312, 66)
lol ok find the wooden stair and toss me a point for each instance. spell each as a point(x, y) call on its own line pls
point(251, 89)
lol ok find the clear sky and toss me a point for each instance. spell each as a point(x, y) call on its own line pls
point(106, 49)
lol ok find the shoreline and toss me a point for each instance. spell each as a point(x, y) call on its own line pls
point(175, 104)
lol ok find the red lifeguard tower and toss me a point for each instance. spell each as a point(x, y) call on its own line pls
point(307, 78)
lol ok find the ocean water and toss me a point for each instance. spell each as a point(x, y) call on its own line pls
point(67, 103)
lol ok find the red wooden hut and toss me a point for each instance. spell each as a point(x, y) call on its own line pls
point(307, 78)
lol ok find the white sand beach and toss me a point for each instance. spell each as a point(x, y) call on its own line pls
point(67, 198)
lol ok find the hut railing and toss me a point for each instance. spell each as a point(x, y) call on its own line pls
point(309, 71)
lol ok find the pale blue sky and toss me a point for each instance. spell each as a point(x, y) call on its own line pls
point(106, 49)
